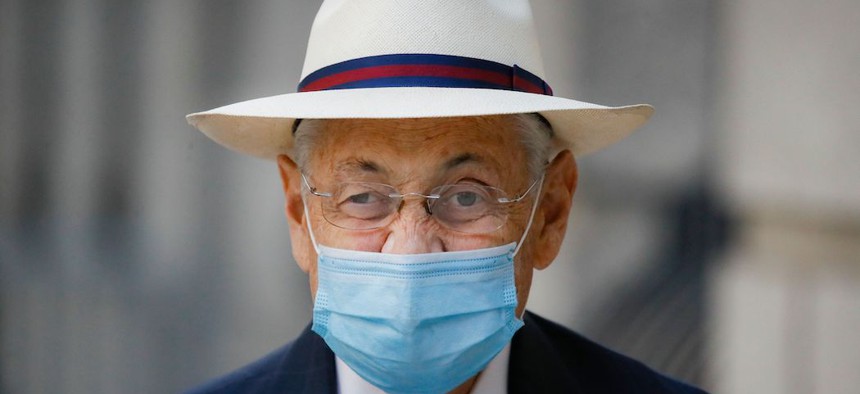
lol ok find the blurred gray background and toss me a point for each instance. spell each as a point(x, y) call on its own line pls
point(719, 244)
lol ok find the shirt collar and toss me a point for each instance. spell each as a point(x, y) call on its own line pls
point(494, 378)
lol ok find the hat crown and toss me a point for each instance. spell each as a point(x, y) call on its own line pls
point(497, 30)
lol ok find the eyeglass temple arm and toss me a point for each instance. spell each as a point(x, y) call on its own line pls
point(525, 193)
point(312, 189)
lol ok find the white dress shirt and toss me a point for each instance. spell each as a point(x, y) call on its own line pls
point(494, 379)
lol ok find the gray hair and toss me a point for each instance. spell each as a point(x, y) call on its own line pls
point(535, 135)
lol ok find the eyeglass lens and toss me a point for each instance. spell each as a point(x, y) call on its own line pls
point(468, 208)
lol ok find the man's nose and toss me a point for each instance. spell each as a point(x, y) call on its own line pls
point(414, 231)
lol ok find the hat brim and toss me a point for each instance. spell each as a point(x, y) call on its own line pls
point(263, 127)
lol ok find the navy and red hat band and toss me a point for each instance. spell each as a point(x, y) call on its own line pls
point(423, 70)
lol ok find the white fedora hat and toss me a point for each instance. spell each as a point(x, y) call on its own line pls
point(418, 59)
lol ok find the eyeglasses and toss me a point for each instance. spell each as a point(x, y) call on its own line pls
point(465, 207)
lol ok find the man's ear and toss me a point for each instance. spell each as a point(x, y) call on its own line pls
point(554, 209)
point(295, 211)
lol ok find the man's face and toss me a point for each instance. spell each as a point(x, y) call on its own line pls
point(416, 155)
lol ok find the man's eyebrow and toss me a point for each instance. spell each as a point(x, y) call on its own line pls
point(462, 159)
point(357, 165)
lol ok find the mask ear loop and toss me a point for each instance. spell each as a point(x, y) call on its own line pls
point(531, 216)
point(308, 222)
point(528, 227)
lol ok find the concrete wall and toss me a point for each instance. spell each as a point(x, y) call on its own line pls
point(786, 300)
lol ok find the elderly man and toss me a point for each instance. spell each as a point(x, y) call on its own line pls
point(427, 171)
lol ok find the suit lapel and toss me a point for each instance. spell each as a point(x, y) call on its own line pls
point(309, 366)
point(535, 365)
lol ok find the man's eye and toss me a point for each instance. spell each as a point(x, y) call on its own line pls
point(363, 198)
point(466, 199)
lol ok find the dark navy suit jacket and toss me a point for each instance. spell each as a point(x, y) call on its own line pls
point(545, 358)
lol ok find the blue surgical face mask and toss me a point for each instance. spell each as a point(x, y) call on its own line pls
point(417, 323)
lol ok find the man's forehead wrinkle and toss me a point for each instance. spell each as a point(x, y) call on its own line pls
point(405, 151)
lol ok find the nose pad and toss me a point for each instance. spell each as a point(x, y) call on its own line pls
point(427, 202)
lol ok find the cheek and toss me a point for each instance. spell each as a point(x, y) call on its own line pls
point(365, 241)
point(374, 240)
point(459, 242)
